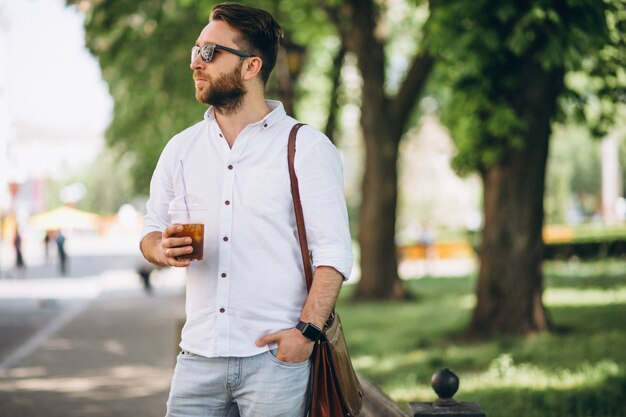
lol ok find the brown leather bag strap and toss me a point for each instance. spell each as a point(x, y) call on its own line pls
point(297, 206)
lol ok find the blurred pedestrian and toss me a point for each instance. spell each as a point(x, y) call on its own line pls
point(20, 266)
point(60, 241)
point(427, 240)
point(144, 269)
point(46, 245)
point(251, 327)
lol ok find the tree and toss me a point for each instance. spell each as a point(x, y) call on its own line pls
point(508, 63)
point(384, 119)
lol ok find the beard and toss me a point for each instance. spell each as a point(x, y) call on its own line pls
point(225, 93)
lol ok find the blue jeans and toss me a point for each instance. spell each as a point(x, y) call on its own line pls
point(255, 386)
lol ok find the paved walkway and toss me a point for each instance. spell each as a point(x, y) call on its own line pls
point(109, 352)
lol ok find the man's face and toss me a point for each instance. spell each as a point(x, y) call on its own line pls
point(219, 82)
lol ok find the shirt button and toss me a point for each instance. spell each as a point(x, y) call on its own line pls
point(225, 238)
point(265, 125)
point(230, 167)
point(221, 136)
point(227, 202)
point(222, 310)
point(223, 274)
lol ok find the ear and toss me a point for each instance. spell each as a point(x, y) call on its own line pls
point(251, 68)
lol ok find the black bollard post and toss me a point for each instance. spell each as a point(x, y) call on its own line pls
point(446, 383)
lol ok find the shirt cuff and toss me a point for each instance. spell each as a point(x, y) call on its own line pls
point(147, 230)
point(342, 262)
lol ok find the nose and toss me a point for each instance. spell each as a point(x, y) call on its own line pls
point(196, 63)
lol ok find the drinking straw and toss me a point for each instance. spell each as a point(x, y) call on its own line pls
point(182, 175)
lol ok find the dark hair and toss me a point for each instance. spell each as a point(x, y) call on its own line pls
point(260, 32)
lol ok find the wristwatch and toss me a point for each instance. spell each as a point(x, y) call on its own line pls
point(309, 330)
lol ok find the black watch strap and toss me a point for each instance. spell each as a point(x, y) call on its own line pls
point(309, 330)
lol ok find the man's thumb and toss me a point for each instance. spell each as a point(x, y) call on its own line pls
point(268, 338)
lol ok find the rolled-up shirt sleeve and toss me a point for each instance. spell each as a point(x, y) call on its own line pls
point(320, 178)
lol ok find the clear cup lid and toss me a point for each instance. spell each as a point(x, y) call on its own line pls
point(192, 203)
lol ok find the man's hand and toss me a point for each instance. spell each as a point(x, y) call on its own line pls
point(163, 249)
point(292, 345)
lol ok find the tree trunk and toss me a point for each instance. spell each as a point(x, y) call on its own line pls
point(377, 222)
point(382, 133)
point(288, 69)
point(333, 107)
point(510, 279)
point(510, 282)
point(383, 121)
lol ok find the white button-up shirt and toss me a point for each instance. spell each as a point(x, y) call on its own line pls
point(251, 280)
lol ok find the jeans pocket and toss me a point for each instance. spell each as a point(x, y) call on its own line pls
point(272, 355)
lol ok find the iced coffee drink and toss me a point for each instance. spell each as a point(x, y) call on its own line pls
point(196, 233)
point(189, 211)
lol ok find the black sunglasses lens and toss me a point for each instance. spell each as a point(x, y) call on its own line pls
point(206, 52)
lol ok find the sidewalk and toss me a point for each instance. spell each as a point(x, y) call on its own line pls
point(111, 355)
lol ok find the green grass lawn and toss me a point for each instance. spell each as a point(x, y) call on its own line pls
point(577, 370)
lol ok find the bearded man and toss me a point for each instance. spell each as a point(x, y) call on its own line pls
point(250, 324)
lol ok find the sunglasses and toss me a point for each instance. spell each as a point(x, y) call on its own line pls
point(206, 52)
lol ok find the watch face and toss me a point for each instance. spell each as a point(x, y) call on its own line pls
point(309, 331)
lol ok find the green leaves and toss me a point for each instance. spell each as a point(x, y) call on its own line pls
point(487, 50)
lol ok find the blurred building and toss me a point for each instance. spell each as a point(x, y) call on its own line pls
point(35, 154)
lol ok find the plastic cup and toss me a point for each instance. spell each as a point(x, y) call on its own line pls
point(191, 215)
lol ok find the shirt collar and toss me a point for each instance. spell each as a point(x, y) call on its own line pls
point(276, 114)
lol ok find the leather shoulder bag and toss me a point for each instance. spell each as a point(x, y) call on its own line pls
point(334, 389)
